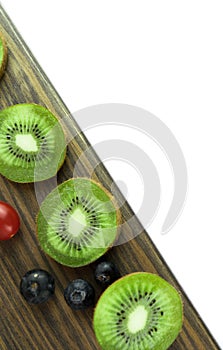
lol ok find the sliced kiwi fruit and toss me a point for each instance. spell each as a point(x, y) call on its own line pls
point(140, 311)
point(77, 222)
point(3, 55)
point(32, 143)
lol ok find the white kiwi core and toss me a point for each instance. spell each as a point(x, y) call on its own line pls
point(26, 142)
point(137, 319)
point(77, 222)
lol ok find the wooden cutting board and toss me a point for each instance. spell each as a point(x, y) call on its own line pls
point(54, 325)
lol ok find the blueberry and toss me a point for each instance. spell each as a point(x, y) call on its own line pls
point(37, 286)
point(79, 294)
point(106, 273)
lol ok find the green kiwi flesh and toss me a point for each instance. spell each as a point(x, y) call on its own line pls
point(77, 222)
point(140, 311)
point(32, 143)
point(3, 55)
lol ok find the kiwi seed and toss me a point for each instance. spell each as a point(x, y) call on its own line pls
point(32, 143)
point(3, 55)
point(140, 311)
point(77, 222)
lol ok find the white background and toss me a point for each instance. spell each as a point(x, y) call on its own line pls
point(167, 57)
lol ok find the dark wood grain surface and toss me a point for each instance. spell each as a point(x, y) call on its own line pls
point(53, 325)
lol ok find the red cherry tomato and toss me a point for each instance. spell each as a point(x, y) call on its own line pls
point(9, 221)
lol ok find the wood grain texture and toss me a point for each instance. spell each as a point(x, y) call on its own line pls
point(53, 325)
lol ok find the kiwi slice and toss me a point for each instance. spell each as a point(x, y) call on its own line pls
point(3, 55)
point(77, 222)
point(32, 143)
point(140, 311)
